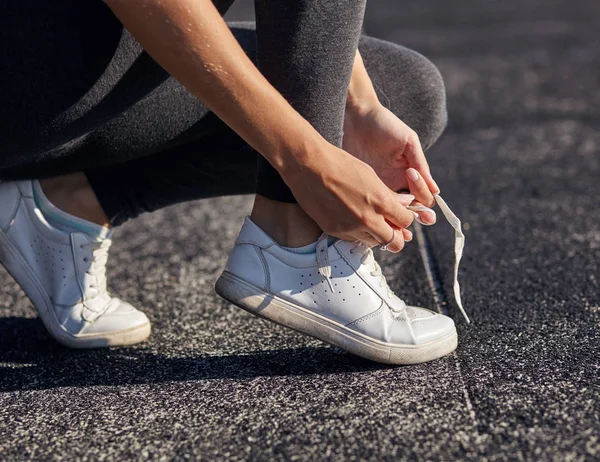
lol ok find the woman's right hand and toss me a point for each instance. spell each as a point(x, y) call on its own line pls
point(347, 199)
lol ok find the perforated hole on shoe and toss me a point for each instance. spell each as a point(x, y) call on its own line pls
point(314, 285)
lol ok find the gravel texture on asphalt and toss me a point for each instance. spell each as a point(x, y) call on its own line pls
point(519, 164)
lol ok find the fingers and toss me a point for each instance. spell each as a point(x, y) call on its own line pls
point(406, 199)
point(395, 211)
point(426, 216)
point(396, 219)
point(370, 241)
point(416, 159)
point(419, 187)
point(385, 235)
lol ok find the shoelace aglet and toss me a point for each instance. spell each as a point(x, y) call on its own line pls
point(328, 279)
point(465, 316)
point(326, 273)
point(323, 260)
point(459, 303)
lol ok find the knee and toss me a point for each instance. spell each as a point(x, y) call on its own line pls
point(408, 84)
point(428, 100)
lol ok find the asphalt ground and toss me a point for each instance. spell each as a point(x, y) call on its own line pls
point(518, 163)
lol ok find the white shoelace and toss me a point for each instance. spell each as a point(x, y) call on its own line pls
point(99, 260)
point(459, 244)
point(367, 257)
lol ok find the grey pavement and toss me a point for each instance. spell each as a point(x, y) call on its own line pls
point(519, 164)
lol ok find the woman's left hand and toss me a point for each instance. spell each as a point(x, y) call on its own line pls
point(379, 138)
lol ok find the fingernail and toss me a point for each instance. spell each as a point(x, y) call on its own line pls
point(437, 188)
point(406, 198)
point(431, 217)
point(416, 215)
point(410, 236)
point(413, 175)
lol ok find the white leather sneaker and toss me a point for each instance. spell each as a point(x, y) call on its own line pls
point(337, 294)
point(64, 276)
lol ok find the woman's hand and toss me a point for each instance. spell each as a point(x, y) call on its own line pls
point(347, 199)
point(379, 138)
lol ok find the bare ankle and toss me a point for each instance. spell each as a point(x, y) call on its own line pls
point(73, 194)
point(286, 223)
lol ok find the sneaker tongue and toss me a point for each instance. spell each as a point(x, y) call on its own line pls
point(106, 234)
point(102, 235)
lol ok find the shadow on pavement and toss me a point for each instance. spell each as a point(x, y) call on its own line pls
point(31, 360)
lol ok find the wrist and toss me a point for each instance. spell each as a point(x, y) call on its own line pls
point(299, 150)
point(362, 96)
point(361, 101)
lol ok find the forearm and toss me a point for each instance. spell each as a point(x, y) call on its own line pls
point(192, 42)
point(361, 93)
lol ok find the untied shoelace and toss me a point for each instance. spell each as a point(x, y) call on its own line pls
point(459, 244)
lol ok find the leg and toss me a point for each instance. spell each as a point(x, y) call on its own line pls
point(123, 107)
point(85, 98)
point(58, 259)
point(215, 165)
point(306, 49)
point(330, 289)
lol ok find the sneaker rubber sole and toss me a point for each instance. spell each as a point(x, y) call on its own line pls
point(21, 272)
point(269, 306)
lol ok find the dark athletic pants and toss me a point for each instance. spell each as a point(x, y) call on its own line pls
point(77, 93)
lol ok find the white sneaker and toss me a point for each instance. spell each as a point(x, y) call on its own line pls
point(64, 276)
point(337, 294)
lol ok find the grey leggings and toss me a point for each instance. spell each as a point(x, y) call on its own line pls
point(77, 93)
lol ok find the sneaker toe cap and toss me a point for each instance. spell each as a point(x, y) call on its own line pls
point(121, 316)
point(428, 326)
